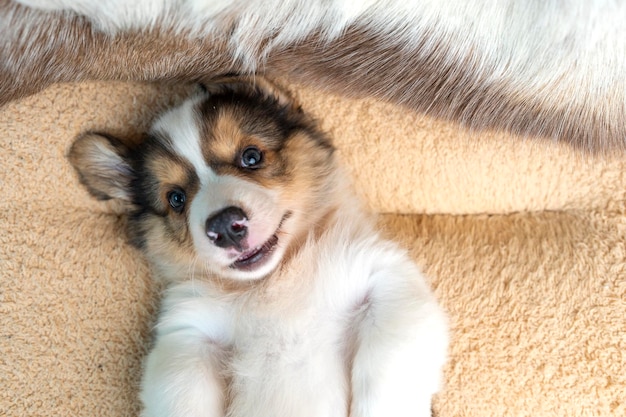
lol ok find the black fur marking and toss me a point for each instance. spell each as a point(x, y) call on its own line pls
point(146, 190)
point(262, 115)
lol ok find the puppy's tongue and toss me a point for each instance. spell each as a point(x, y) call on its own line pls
point(255, 255)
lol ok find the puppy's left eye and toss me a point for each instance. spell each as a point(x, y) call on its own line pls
point(251, 157)
point(177, 199)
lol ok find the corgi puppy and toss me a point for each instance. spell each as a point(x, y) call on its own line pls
point(282, 299)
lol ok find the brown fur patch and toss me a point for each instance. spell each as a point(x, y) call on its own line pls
point(241, 114)
point(162, 173)
point(223, 139)
point(39, 49)
point(227, 143)
point(171, 173)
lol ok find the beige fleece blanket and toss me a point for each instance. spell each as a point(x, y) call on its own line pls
point(523, 242)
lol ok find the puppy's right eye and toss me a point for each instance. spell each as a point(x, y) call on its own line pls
point(251, 158)
point(177, 199)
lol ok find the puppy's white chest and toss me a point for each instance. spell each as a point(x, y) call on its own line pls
point(293, 361)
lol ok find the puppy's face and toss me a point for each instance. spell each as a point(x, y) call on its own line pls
point(223, 185)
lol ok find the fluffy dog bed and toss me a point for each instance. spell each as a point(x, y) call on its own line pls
point(523, 241)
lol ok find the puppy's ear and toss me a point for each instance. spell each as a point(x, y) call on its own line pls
point(102, 163)
point(272, 89)
point(253, 84)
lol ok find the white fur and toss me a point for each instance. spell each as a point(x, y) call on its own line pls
point(264, 218)
point(180, 125)
point(287, 356)
point(346, 327)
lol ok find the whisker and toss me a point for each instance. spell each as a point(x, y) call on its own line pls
point(192, 272)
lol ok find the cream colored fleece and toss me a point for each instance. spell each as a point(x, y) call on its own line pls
point(524, 243)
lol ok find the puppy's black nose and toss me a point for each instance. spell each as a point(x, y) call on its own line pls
point(228, 227)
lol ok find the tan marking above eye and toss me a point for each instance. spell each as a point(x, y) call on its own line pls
point(227, 144)
point(168, 171)
point(170, 174)
point(224, 141)
point(225, 138)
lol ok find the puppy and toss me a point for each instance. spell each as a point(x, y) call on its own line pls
point(549, 68)
point(281, 299)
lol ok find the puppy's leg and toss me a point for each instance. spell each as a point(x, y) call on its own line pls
point(182, 377)
point(183, 374)
point(401, 346)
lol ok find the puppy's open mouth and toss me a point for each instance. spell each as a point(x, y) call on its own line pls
point(256, 257)
point(253, 258)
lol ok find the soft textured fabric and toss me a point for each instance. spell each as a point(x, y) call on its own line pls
point(522, 240)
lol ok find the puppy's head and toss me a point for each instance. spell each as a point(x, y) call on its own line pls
point(223, 185)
